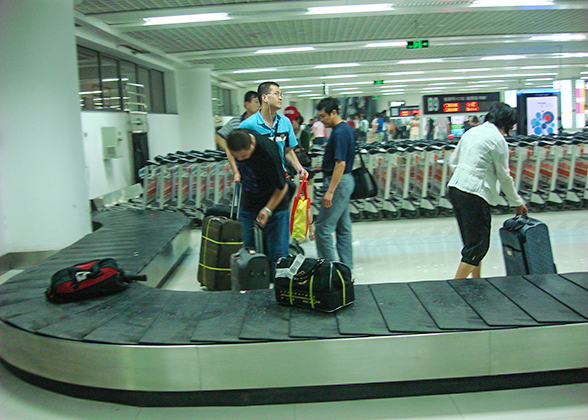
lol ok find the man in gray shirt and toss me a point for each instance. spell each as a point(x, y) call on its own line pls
point(251, 107)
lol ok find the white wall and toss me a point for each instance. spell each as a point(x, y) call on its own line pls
point(104, 176)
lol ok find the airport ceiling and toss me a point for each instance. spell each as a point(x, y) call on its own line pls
point(473, 45)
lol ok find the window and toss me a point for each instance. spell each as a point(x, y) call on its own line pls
point(103, 82)
point(221, 101)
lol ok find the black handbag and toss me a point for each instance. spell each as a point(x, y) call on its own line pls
point(365, 185)
point(313, 283)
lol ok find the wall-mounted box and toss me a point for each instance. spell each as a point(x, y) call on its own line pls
point(112, 141)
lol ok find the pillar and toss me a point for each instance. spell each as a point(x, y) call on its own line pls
point(43, 195)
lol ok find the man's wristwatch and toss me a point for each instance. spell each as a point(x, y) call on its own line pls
point(269, 212)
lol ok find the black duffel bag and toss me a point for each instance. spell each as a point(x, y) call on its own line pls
point(313, 283)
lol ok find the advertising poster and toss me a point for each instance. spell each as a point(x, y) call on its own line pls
point(457, 128)
point(542, 115)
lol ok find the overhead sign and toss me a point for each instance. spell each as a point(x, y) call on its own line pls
point(396, 103)
point(413, 45)
point(459, 103)
point(378, 82)
point(404, 111)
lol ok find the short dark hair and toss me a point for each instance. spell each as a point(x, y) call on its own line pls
point(502, 116)
point(299, 119)
point(264, 89)
point(250, 95)
point(329, 104)
point(239, 139)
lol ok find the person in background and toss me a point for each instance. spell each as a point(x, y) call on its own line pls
point(364, 124)
point(278, 128)
point(303, 136)
point(319, 131)
point(338, 186)
point(415, 128)
point(441, 127)
point(430, 128)
point(251, 107)
point(480, 162)
point(264, 195)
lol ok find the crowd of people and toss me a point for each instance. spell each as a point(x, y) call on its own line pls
point(262, 146)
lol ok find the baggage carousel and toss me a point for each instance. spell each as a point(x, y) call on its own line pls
point(152, 347)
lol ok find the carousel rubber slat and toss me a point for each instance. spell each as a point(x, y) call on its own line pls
point(491, 305)
point(534, 301)
point(446, 306)
point(581, 279)
point(222, 318)
point(363, 316)
point(568, 293)
point(177, 320)
point(306, 323)
point(21, 307)
point(265, 319)
point(108, 307)
point(129, 326)
point(401, 309)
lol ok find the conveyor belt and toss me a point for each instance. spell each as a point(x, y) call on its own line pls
point(159, 341)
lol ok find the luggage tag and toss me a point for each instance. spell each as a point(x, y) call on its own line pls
point(291, 271)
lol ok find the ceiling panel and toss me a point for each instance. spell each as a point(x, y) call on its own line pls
point(459, 34)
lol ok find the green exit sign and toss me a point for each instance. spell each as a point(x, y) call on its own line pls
point(378, 82)
point(413, 45)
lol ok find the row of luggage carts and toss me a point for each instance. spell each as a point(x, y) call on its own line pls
point(550, 172)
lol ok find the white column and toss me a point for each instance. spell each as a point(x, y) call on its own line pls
point(43, 195)
point(195, 108)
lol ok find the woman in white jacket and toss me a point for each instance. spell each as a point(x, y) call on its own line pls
point(480, 161)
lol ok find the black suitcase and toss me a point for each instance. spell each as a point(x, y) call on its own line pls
point(250, 268)
point(221, 237)
point(313, 283)
point(526, 247)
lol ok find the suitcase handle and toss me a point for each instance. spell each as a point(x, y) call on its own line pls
point(516, 222)
point(258, 236)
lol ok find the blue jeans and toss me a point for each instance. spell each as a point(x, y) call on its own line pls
point(336, 219)
point(276, 235)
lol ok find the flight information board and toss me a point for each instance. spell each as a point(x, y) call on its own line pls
point(459, 103)
point(404, 111)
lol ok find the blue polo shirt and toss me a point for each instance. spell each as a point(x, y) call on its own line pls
point(282, 133)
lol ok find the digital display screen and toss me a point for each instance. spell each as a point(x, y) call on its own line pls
point(404, 111)
point(459, 103)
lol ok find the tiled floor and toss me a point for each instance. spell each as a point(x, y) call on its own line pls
point(385, 251)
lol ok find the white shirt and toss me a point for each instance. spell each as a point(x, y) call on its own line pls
point(480, 161)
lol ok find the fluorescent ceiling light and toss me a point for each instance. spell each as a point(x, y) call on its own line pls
point(574, 55)
point(353, 92)
point(539, 67)
point(255, 70)
point(541, 79)
point(393, 87)
point(297, 91)
point(273, 80)
point(510, 3)
point(468, 70)
point(490, 81)
point(310, 94)
point(558, 37)
point(350, 83)
point(201, 17)
point(300, 86)
point(403, 73)
point(443, 83)
point(347, 88)
point(359, 8)
point(421, 61)
point(503, 57)
point(336, 65)
point(339, 76)
point(284, 50)
point(387, 44)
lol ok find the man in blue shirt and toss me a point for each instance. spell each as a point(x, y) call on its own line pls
point(338, 186)
point(277, 127)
